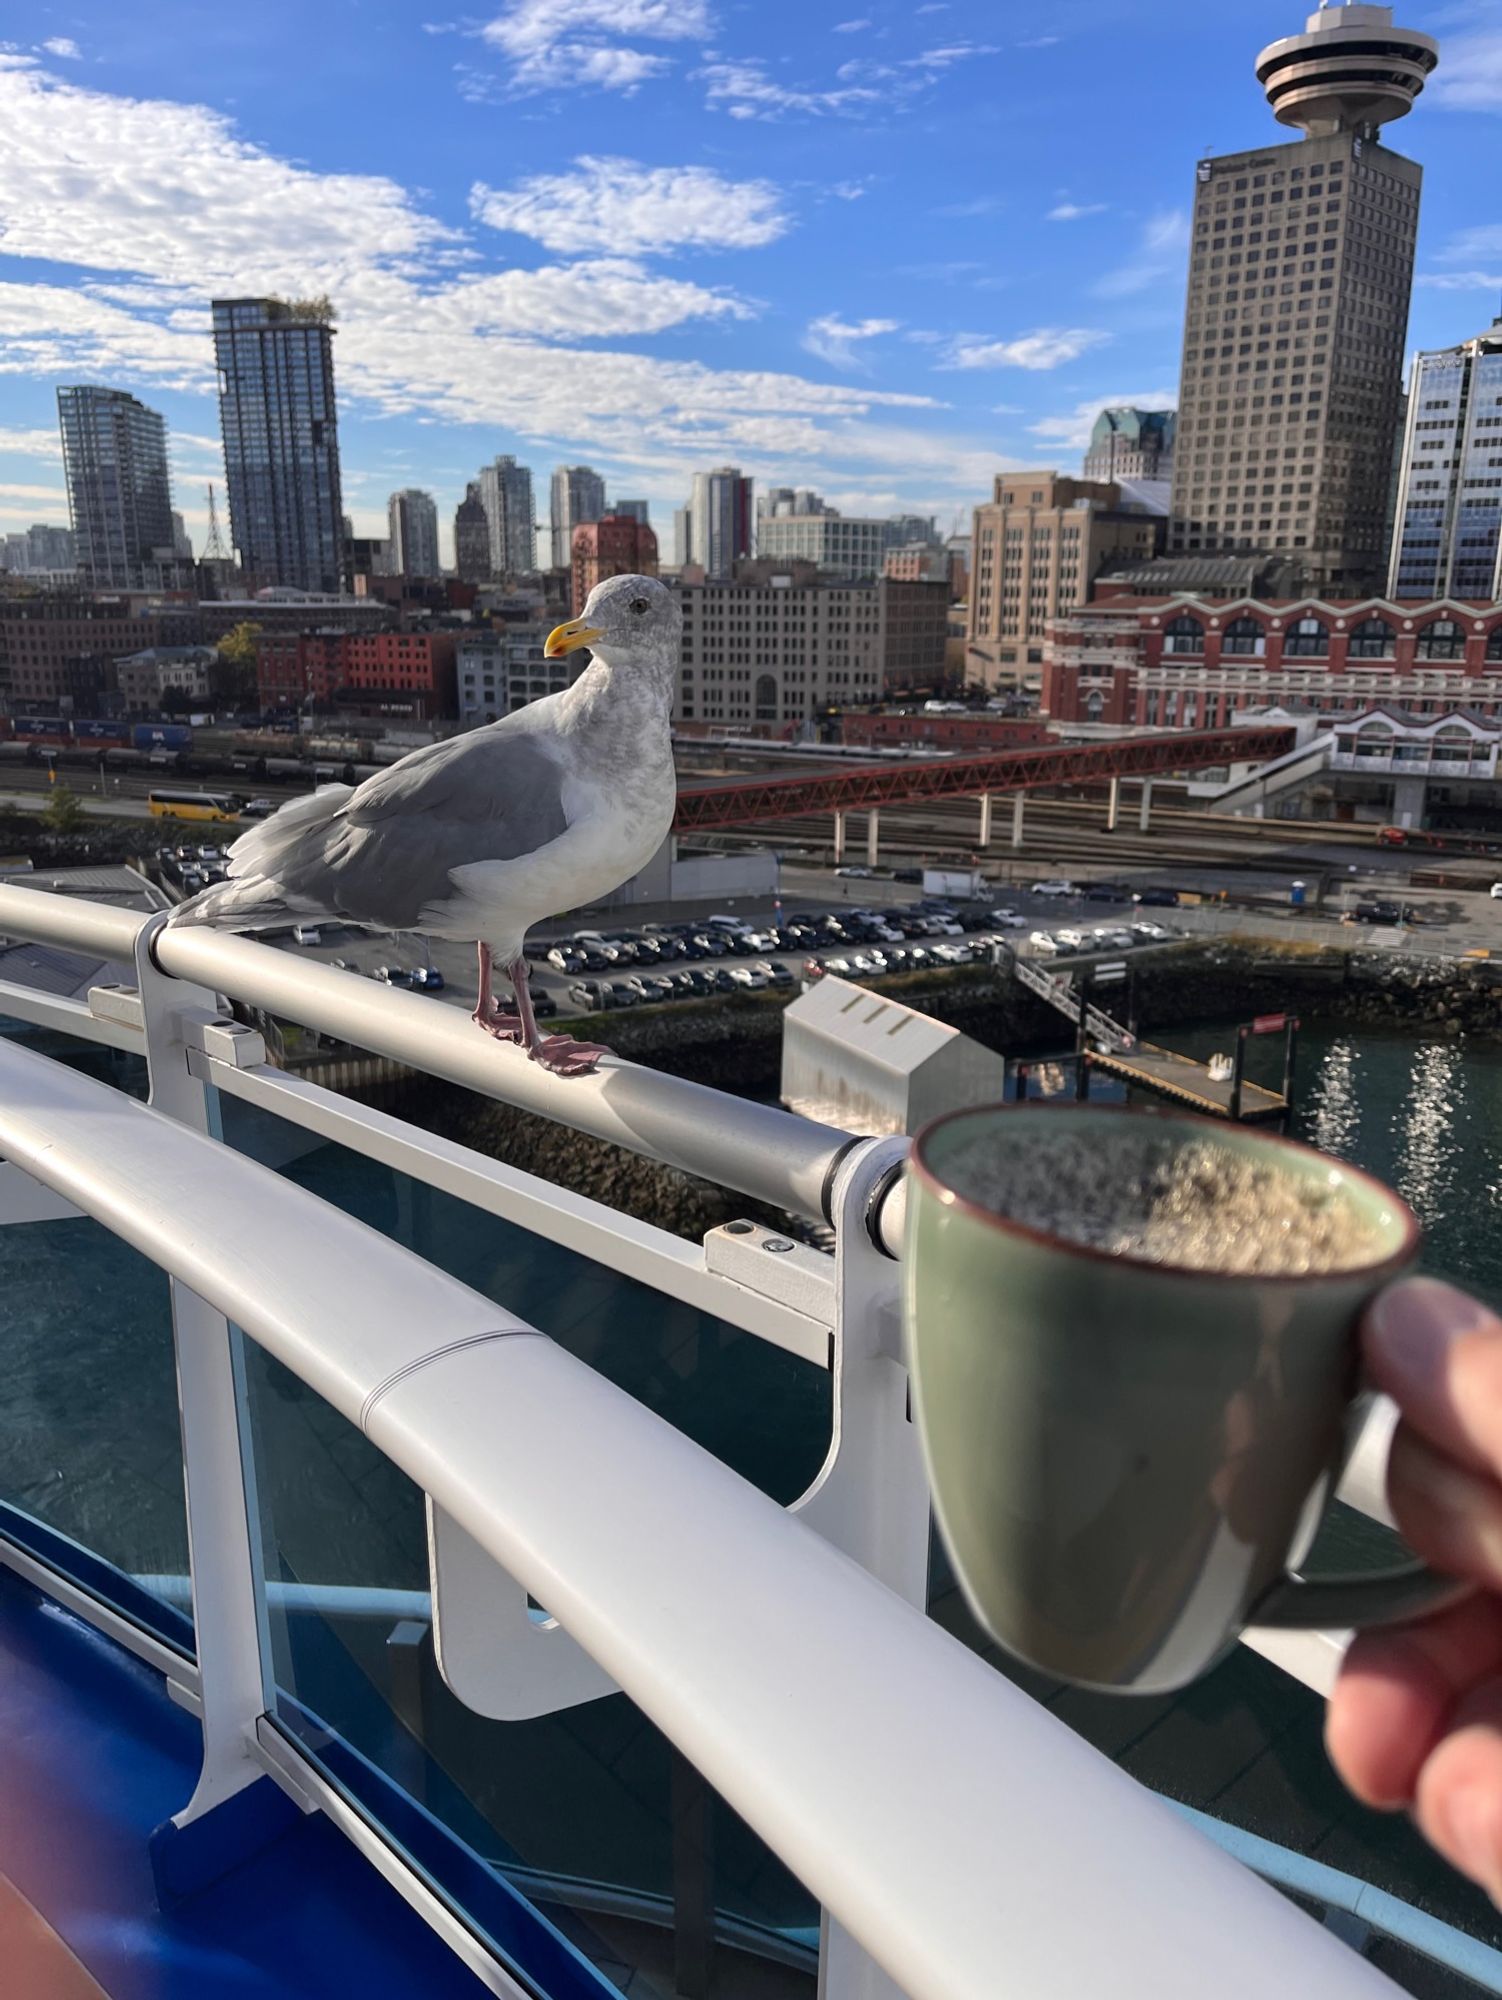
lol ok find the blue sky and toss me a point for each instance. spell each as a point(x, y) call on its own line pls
point(879, 249)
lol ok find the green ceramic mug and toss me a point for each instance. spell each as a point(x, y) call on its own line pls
point(1130, 1458)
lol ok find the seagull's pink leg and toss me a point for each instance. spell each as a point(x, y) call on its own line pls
point(505, 1027)
point(559, 1053)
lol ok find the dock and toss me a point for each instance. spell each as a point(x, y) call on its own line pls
point(1187, 1082)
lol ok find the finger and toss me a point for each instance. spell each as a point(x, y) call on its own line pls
point(1448, 1514)
point(1396, 1690)
point(1438, 1354)
point(1458, 1801)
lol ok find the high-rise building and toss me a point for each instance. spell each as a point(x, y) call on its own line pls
point(37, 551)
point(1128, 443)
point(281, 440)
point(577, 495)
point(1299, 278)
point(615, 545)
point(182, 546)
point(635, 510)
point(843, 545)
point(412, 530)
point(720, 520)
point(683, 536)
point(1037, 548)
point(471, 537)
point(506, 496)
point(119, 490)
point(781, 501)
point(1447, 534)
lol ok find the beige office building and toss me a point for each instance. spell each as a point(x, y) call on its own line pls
point(1300, 270)
point(1034, 551)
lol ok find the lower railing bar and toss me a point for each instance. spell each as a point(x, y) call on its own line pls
point(633, 1248)
point(67, 1017)
point(180, 1673)
point(955, 1828)
point(1434, 1939)
point(328, 1600)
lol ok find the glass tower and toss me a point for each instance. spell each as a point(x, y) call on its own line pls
point(281, 439)
point(577, 495)
point(1447, 535)
point(506, 495)
point(119, 493)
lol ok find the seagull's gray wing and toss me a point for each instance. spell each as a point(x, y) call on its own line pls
point(387, 855)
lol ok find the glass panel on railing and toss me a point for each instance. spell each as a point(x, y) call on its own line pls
point(578, 1843)
point(763, 1411)
point(121, 1069)
point(91, 1471)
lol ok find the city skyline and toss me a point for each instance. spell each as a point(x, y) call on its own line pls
point(810, 255)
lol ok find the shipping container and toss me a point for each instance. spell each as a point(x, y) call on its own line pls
point(162, 736)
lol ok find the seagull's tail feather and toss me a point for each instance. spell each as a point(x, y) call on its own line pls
point(254, 893)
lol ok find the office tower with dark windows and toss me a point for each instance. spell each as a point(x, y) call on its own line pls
point(412, 530)
point(1447, 531)
point(577, 495)
point(506, 495)
point(634, 510)
point(720, 521)
point(281, 440)
point(1300, 269)
point(119, 491)
point(471, 537)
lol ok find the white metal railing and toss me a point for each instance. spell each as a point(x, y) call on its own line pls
point(945, 1822)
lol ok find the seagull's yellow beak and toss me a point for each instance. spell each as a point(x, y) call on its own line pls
point(568, 638)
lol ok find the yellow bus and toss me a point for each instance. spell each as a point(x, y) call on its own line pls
point(193, 805)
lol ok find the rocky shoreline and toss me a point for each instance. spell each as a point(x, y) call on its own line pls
point(735, 1043)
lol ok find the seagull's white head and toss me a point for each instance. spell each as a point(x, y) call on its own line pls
point(632, 623)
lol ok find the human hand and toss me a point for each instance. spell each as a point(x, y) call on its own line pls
point(1416, 1717)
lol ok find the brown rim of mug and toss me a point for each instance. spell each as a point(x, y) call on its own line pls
point(919, 1164)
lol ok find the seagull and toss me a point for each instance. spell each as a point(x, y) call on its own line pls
point(480, 837)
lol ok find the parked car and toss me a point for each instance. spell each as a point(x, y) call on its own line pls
point(301, 933)
point(703, 979)
point(815, 968)
point(1008, 920)
point(544, 1006)
point(919, 958)
point(1071, 940)
point(907, 874)
point(1495, 892)
point(1379, 913)
point(778, 975)
point(841, 967)
point(623, 995)
point(1042, 942)
point(951, 954)
point(683, 980)
point(392, 975)
point(1054, 888)
point(1157, 899)
point(750, 976)
point(590, 996)
point(427, 979)
point(943, 927)
point(564, 958)
point(210, 854)
point(192, 882)
point(1152, 933)
point(724, 978)
point(856, 873)
point(1106, 892)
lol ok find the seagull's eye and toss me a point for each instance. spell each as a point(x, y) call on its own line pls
point(639, 605)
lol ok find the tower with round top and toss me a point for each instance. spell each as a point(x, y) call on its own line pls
point(1350, 71)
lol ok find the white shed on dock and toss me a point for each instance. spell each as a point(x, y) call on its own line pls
point(859, 1059)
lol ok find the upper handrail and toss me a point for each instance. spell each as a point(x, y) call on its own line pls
point(773, 1155)
point(967, 1839)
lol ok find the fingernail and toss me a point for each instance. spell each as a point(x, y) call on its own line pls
point(1473, 1835)
point(1409, 1329)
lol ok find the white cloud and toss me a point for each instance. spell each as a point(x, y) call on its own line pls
point(834, 340)
point(1469, 77)
point(46, 496)
point(1072, 211)
point(1159, 257)
point(30, 444)
point(146, 209)
point(629, 209)
point(932, 7)
point(1039, 42)
point(64, 47)
point(1071, 429)
point(576, 44)
point(745, 90)
point(945, 58)
point(1461, 281)
point(1047, 347)
point(1485, 240)
point(849, 27)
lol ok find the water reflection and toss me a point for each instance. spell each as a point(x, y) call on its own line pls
point(1332, 1109)
point(1425, 1125)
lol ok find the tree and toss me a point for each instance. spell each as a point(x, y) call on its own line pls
point(64, 811)
point(232, 678)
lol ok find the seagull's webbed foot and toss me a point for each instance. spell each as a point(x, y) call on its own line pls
point(504, 1027)
point(564, 1056)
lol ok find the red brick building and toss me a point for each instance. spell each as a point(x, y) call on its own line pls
point(916, 731)
point(1191, 663)
point(401, 675)
point(60, 649)
point(618, 545)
